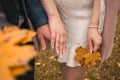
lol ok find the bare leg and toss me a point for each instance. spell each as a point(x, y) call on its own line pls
point(72, 73)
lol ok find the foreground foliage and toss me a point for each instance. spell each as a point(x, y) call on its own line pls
point(14, 53)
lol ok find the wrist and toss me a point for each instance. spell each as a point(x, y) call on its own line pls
point(52, 16)
point(91, 26)
point(39, 27)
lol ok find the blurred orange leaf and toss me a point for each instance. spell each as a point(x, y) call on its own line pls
point(14, 53)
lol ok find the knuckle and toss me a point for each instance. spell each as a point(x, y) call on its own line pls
point(100, 38)
point(58, 41)
point(97, 43)
point(63, 33)
point(61, 47)
point(52, 36)
point(57, 46)
point(89, 44)
point(39, 37)
point(64, 40)
point(62, 43)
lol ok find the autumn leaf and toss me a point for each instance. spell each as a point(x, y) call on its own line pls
point(29, 37)
point(19, 70)
point(85, 58)
point(118, 63)
point(86, 79)
point(37, 63)
point(14, 53)
point(52, 57)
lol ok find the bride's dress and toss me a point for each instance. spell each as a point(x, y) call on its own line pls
point(76, 17)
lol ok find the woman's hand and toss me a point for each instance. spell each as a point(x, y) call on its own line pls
point(94, 39)
point(58, 35)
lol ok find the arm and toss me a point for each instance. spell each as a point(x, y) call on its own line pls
point(94, 37)
point(58, 36)
point(36, 13)
point(39, 20)
point(95, 14)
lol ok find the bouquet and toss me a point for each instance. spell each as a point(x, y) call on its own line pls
point(85, 58)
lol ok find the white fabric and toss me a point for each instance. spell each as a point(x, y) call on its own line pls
point(76, 16)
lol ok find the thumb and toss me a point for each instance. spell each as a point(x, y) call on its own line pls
point(42, 42)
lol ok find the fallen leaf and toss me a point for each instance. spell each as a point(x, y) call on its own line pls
point(52, 57)
point(37, 63)
point(86, 79)
point(118, 63)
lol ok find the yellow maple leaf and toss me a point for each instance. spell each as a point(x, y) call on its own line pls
point(85, 58)
point(14, 53)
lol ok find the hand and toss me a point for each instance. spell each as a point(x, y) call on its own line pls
point(43, 32)
point(94, 39)
point(58, 35)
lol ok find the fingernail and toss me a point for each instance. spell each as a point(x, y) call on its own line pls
point(43, 48)
point(90, 50)
point(60, 55)
point(63, 54)
point(52, 47)
point(58, 52)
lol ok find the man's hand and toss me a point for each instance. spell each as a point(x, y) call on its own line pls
point(94, 39)
point(43, 33)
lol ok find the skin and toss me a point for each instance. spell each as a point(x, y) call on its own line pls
point(43, 33)
point(58, 34)
point(94, 37)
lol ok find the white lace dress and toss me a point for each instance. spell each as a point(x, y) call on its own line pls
point(76, 16)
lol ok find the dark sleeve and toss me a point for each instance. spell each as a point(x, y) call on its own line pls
point(36, 13)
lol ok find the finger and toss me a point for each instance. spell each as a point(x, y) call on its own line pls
point(90, 45)
point(96, 46)
point(53, 37)
point(42, 42)
point(61, 44)
point(47, 34)
point(64, 49)
point(57, 44)
point(64, 44)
